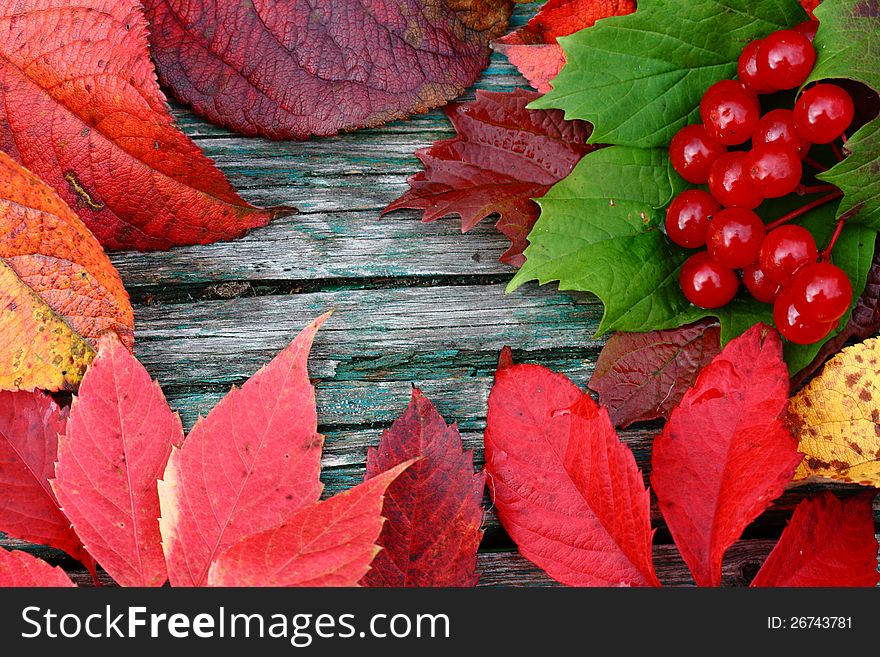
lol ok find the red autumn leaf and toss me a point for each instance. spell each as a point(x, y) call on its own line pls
point(19, 568)
point(503, 157)
point(534, 50)
point(246, 468)
point(29, 428)
point(725, 455)
point(113, 451)
point(642, 376)
point(77, 84)
point(433, 509)
point(565, 489)
point(329, 543)
point(296, 68)
point(829, 542)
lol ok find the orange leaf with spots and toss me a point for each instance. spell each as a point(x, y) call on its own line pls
point(58, 290)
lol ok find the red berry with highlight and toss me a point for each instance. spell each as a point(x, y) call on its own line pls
point(707, 283)
point(774, 170)
point(729, 183)
point(777, 127)
point(758, 285)
point(808, 28)
point(747, 69)
point(734, 237)
point(792, 324)
point(785, 59)
point(785, 250)
point(688, 216)
point(821, 291)
point(822, 113)
point(692, 152)
point(730, 112)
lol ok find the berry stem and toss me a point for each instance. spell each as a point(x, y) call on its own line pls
point(837, 153)
point(816, 165)
point(826, 254)
point(794, 214)
point(803, 190)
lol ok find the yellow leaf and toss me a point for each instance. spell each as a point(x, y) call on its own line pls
point(836, 418)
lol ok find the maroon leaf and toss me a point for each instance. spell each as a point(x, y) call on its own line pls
point(293, 68)
point(433, 509)
point(503, 156)
point(643, 376)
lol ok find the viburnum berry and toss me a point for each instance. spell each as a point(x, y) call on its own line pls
point(730, 112)
point(734, 237)
point(747, 69)
point(730, 184)
point(808, 28)
point(784, 59)
point(777, 127)
point(692, 152)
point(793, 326)
point(821, 291)
point(774, 170)
point(822, 113)
point(785, 250)
point(758, 285)
point(707, 283)
point(688, 216)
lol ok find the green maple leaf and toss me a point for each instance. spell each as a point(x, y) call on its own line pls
point(639, 78)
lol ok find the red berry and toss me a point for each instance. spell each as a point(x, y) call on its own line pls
point(822, 113)
point(734, 237)
point(808, 28)
point(729, 112)
point(774, 170)
point(692, 152)
point(747, 69)
point(706, 283)
point(821, 291)
point(687, 217)
point(785, 250)
point(729, 183)
point(760, 287)
point(785, 59)
point(793, 326)
point(777, 127)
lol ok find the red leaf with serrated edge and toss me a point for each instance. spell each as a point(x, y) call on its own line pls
point(246, 468)
point(725, 455)
point(533, 49)
point(433, 509)
point(829, 542)
point(643, 376)
point(293, 68)
point(19, 568)
point(330, 543)
point(565, 523)
point(503, 156)
point(114, 449)
point(29, 426)
point(81, 108)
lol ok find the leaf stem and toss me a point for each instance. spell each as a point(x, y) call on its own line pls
point(794, 214)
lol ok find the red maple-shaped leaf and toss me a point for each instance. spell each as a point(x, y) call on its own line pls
point(534, 50)
point(725, 455)
point(294, 68)
point(19, 568)
point(113, 451)
point(565, 488)
point(329, 543)
point(504, 156)
point(433, 509)
point(245, 468)
point(643, 376)
point(29, 426)
point(81, 108)
point(829, 542)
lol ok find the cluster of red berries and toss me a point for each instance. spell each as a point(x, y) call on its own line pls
point(781, 266)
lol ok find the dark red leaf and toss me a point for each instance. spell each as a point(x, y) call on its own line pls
point(725, 455)
point(643, 376)
point(293, 68)
point(503, 156)
point(433, 509)
point(586, 527)
point(829, 542)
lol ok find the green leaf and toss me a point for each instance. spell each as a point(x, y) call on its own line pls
point(638, 78)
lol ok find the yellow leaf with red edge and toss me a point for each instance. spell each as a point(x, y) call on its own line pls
point(836, 418)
